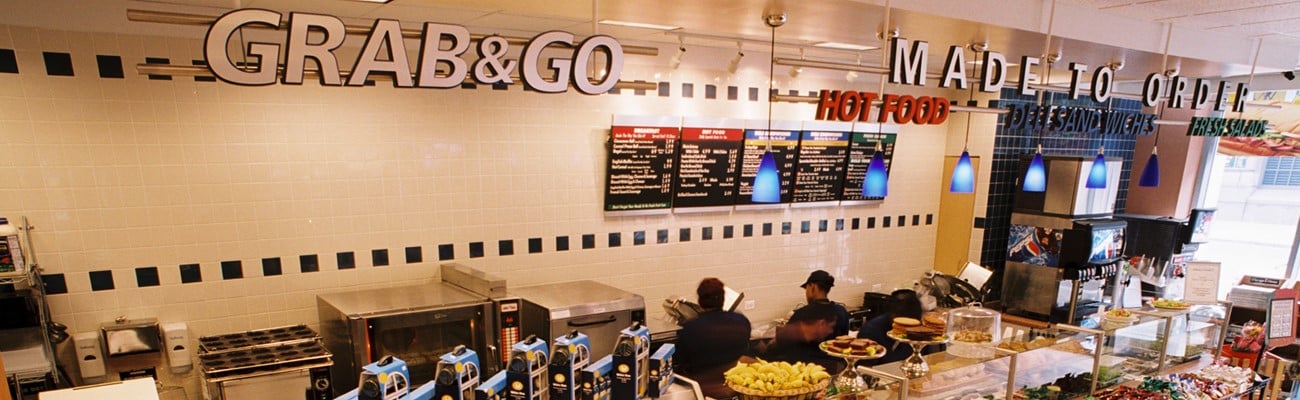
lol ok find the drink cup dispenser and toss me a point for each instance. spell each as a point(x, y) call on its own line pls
point(661, 371)
point(458, 375)
point(492, 388)
point(596, 379)
point(631, 363)
point(569, 355)
point(526, 371)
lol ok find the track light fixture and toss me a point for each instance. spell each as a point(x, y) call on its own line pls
point(734, 64)
point(676, 60)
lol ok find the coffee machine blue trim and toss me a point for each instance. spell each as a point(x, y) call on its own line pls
point(492, 389)
point(386, 379)
point(458, 375)
point(526, 372)
point(631, 363)
point(596, 379)
point(661, 371)
point(569, 355)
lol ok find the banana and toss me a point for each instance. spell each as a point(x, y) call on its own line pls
point(768, 377)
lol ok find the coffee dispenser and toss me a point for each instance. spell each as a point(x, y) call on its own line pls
point(631, 363)
point(386, 379)
point(569, 355)
point(596, 379)
point(491, 388)
point(526, 372)
point(661, 371)
point(458, 374)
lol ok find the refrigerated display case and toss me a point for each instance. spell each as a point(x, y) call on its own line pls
point(949, 377)
point(1063, 355)
point(1163, 338)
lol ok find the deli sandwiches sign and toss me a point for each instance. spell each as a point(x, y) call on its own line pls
point(385, 52)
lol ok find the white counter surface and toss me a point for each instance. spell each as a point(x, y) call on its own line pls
point(135, 389)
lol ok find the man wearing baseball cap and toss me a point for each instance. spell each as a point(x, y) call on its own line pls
point(816, 289)
point(819, 321)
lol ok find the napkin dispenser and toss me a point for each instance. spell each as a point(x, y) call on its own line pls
point(126, 337)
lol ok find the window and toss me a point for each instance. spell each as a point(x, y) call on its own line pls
point(1281, 171)
point(1236, 163)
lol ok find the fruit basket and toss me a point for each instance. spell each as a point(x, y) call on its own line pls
point(806, 393)
point(778, 380)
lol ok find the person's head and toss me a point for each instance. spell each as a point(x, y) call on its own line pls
point(818, 285)
point(906, 303)
point(711, 293)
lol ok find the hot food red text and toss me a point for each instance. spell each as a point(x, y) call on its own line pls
point(384, 53)
point(838, 105)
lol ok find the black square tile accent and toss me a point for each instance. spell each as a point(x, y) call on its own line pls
point(613, 90)
point(506, 247)
point(871, 222)
point(638, 238)
point(476, 250)
point(748, 230)
point(534, 245)
point(733, 93)
point(753, 94)
point(414, 254)
point(822, 226)
point(662, 236)
point(786, 228)
point(980, 222)
point(916, 219)
point(664, 89)
point(55, 283)
point(589, 241)
point(379, 257)
point(232, 269)
point(197, 78)
point(271, 267)
point(710, 92)
point(856, 224)
point(58, 64)
point(158, 60)
point(190, 273)
point(839, 224)
point(684, 235)
point(561, 243)
point(728, 232)
point(706, 233)
point(101, 280)
point(639, 92)
point(9, 65)
point(346, 260)
point(884, 223)
point(688, 90)
point(767, 229)
point(466, 85)
point(929, 219)
point(805, 227)
point(146, 277)
point(308, 263)
point(446, 251)
point(902, 220)
point(110, 66)
point(500, 86)
point(615, 239)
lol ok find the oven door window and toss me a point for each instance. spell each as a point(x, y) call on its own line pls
point(419, 339)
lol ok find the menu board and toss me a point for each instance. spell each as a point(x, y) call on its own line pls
point(1202, 282)
point(785, 149)
point(707, 162)
point(639, 172)
point(822, 159)
point(862, 145)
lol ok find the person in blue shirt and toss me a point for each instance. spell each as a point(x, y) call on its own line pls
point(905, 304)
point(710, 344)
point(818, 321)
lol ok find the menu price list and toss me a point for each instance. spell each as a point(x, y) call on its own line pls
point(707, 164)
point(639, 174)
point(820, 176)
point(861, 147)
point(785, 150)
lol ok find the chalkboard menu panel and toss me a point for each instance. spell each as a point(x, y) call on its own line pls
point(785, 149)
point(862, 146)
point(639, 174)
point(707, 162)
point(822, 159)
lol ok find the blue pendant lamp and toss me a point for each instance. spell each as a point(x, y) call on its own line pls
point(876, 183)
point(1097, 175)
point(767, 182)
point(1151, 172)
point(963, 176)
point(1036, 176)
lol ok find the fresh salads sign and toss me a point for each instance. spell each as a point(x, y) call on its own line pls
point(385, 52)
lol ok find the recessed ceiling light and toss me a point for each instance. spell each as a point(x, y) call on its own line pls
point(844, 46)
point(640, 25)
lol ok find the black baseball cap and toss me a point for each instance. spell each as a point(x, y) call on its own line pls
point(821, 277)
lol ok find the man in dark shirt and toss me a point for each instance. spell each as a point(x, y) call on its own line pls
point(819, 321)
point(710, 344)
point(816, 288)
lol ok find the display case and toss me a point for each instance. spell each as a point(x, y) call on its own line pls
point(950, 377)
point(1062, 355)
point(1138, 349)
point(1165, 337)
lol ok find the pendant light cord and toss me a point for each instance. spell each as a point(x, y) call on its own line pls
point(966, 144)
point(771, 72)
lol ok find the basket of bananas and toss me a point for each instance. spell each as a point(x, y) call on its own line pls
point(777, 380)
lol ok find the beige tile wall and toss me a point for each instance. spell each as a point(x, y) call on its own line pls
point(123, 173)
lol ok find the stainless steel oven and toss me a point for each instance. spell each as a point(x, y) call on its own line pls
point(598, 310)
point(414, 323)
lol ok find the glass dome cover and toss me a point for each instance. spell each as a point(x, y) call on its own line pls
point(974, 330)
